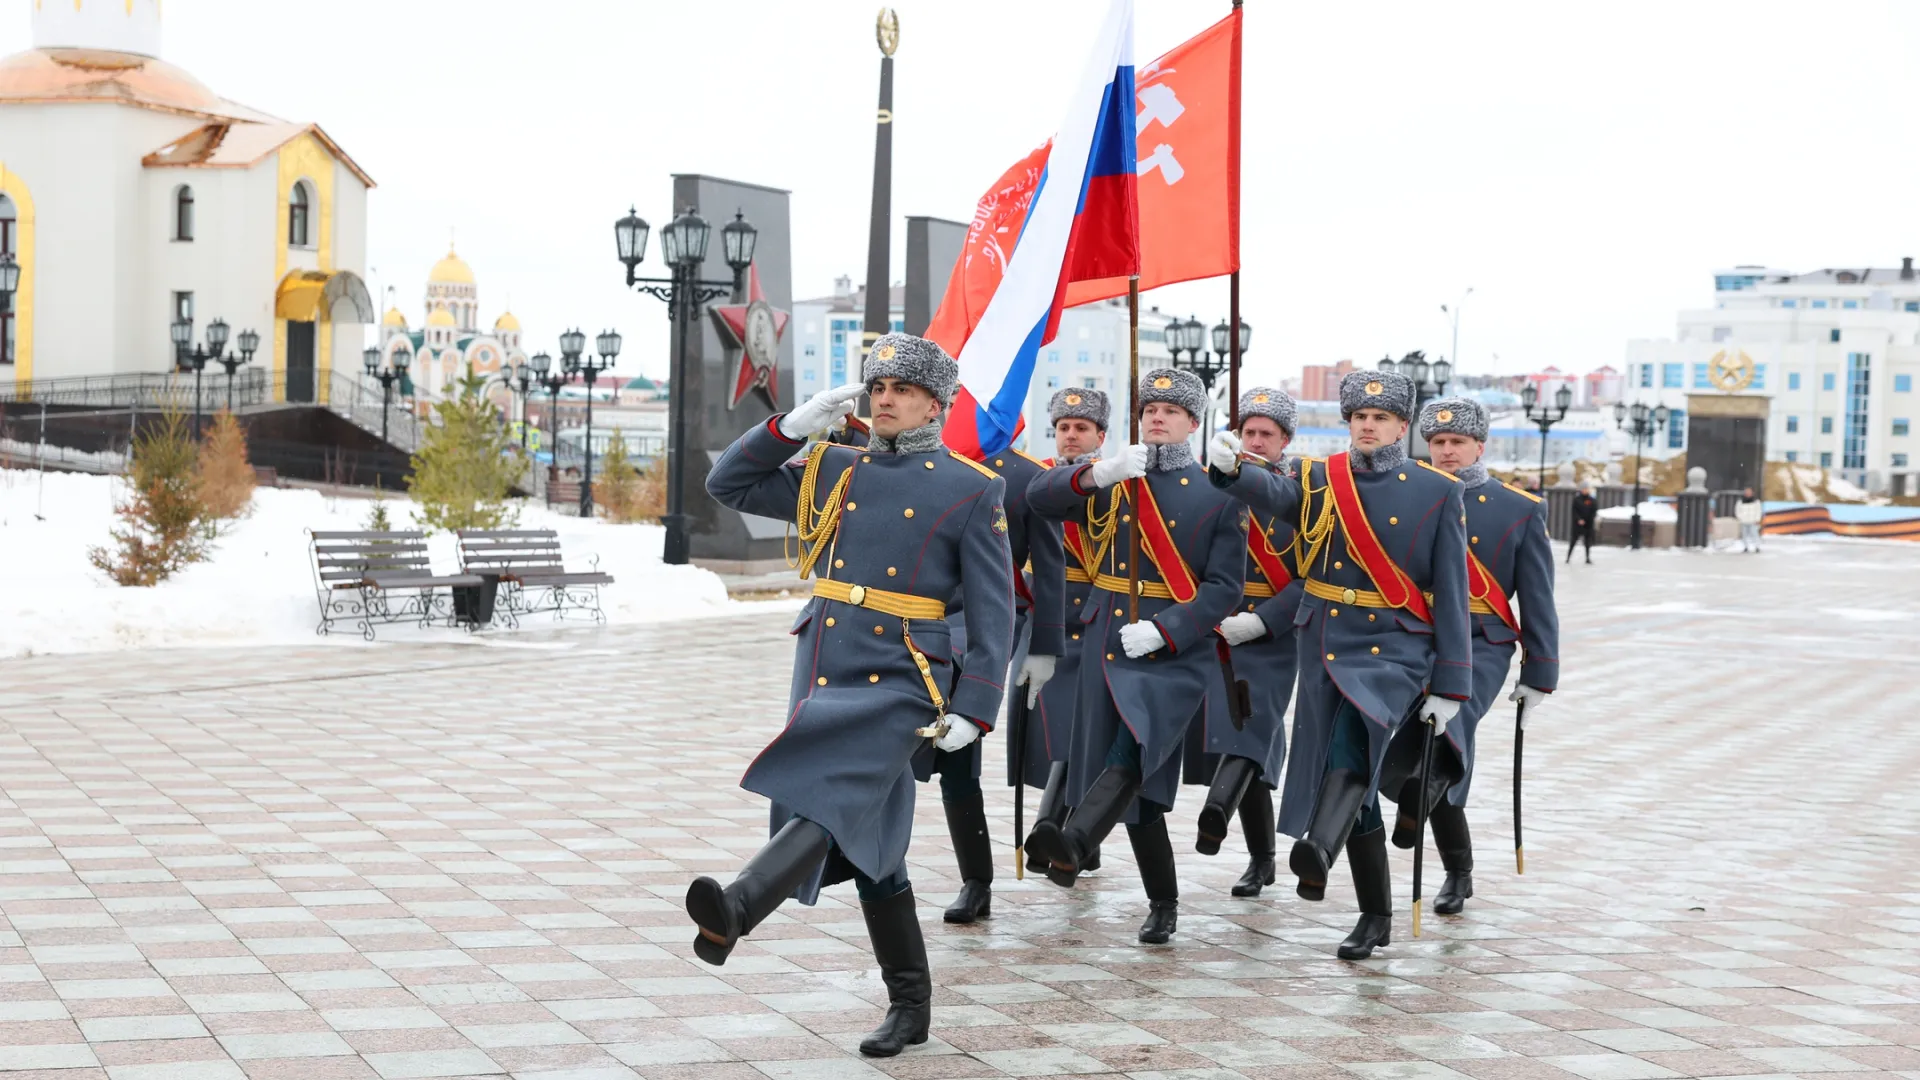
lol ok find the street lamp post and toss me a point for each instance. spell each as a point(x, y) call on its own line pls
point(573, 361)
point(191, 357)
point(1190, 338)
point(395, 370)
point(519, 382)
point(551, 381)
point(1454, 313)
point(683, 244)
point(1223, 347)
point(1429, 382)
point(1639, 422)
point(1545, 419)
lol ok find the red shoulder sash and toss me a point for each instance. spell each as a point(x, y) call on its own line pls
point(1157, 541)
point(1366, 549)
point(1260, 549)
point(1483, 586)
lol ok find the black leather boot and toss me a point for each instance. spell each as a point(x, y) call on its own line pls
point(973, 850)
point(1373, 885)
point(1065, 847)
point(1450, 835)
point(1053, 807)
point(1153, 850)
point(1229, 787)
point(1444, 775)
point(894, 927)
point(1256, 821)
point(1341, 794)
point(726, 914)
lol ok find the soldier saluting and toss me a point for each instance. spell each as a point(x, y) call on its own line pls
point(895, 530)
point(1142, 682)
point(1382, 630)
point(1250, 754)
point(1079, 416)
point(1509, 559)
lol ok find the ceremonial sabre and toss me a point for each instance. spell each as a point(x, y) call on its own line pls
point(1420, 841)
point(1239, 697)
point(1519, 744)
point(1019, 714)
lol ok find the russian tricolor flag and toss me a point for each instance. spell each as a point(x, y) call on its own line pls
point(1083, 224)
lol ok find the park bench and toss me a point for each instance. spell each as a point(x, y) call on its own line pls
point(366, 578)
point(532, 576)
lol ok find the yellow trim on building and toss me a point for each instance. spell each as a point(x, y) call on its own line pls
point(13, 187)
point(305, 158)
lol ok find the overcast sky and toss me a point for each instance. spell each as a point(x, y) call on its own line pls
point(1583, 168)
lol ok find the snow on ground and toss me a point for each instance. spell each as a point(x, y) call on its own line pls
point(1649, 512)
point(257, 588)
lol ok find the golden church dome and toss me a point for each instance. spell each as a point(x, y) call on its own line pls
point(441, 316)
point(506, 322)
point(452, 270)
point(394, 318)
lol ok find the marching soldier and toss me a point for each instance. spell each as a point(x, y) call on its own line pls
point(1509, 558)
point(1250, 752)
point(1142, 682)
point(1079, 416)
point(1038, 635)
point(895, 530)
point(1382, 629)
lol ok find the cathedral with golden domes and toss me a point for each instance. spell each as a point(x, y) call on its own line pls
point(450, 340)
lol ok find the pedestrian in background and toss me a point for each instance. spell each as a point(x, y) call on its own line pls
point(1586, 513)
point(1748, 513)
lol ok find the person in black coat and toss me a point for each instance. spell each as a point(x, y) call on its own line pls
point(1586, 514)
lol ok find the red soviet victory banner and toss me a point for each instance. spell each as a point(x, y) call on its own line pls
point(991, 235)
point(1189, 164)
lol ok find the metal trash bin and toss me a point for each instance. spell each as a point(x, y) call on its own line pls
point(473, 604)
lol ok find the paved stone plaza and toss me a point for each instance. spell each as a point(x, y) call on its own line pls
point(467, 860)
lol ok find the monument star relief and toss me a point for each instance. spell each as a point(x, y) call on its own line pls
point(755, 328)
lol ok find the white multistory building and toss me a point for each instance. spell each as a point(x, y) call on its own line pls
point(132, 196)
point(1836, 352)
point(1089, 351)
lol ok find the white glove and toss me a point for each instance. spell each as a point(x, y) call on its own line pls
point(1529, 699)
point(1128, 464)
point(1223, 453)
point(1034, 673)
point(821, 411)
point(1141, 638)
point(1242, 628)
point(1438, 711)
point(960, 734)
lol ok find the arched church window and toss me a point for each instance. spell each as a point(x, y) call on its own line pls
point(299, 210)
point(183, 213)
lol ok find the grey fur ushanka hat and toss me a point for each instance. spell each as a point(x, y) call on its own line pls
point(1078, 401)
point(1386, 390)
point(1175, 387)
point(1276, 405)
point(1454, 416)
point(913, 360)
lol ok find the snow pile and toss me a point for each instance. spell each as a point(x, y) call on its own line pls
point(257, 588)
point(1650, 513)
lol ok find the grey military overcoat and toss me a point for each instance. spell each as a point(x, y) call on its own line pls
point(926, 524)
point(1157, 695)
point(1382, 660)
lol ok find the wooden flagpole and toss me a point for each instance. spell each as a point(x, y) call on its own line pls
point(1133, 437)
point(1233, 301)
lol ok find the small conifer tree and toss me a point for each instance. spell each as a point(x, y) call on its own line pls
point(617, 488)
point(466, 464)
point(226, 476)
point(161, 519)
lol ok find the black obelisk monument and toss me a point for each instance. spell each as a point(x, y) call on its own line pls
point(879, 318)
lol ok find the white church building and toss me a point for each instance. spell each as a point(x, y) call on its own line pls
point(131, 195)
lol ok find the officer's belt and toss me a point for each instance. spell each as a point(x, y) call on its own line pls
point(1258, 589)
point(1351, 597)
point(1155, 589)
point(1480, 607)
point(898, 604)
point(1074, 573)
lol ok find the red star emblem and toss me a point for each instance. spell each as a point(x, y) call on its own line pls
point(755, 328)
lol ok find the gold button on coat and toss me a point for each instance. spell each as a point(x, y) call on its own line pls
point(829, 620)
point(1109, 656)
point(839, 563)
point(822, 680)
point(1183, 481)
point(891, 571)
point(1333, 611)
point(929, 464)
point(1475, 539)
point(876, 678)
point(1329, 656)
point(1336, 566)
point(1376, 650)
point(997, 463)
point(1393, 521)
point(853, 506)
point(908, 511)
point(864, 457)
point(1403, 476)
point(1116, 611)
point(1483, 498)
point(879, 629)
